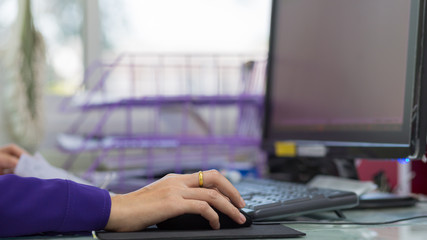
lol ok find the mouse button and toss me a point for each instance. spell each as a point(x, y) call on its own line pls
point(248, 219)
point(226, 222)
point(184, 222)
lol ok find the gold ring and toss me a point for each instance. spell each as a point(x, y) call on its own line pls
point(200, 179)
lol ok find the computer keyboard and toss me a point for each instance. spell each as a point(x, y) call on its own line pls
point(270, 199)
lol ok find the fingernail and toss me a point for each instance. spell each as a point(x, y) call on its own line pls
point(242, 218)
point(242, 202)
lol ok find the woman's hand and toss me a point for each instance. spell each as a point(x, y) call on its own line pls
point(174, 195)
point(9, 156)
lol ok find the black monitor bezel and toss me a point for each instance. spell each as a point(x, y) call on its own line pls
point(416, 112)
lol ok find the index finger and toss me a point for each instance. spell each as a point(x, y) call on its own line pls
point(214, 179)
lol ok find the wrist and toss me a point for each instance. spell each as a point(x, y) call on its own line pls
point(115, 223)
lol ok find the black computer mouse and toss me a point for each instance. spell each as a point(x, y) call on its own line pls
point(195, 221)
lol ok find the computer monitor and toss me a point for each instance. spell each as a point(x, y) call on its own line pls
point(346, 79)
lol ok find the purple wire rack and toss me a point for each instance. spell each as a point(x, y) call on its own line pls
point(164, 109)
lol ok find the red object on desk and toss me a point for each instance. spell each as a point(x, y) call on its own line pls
point(419, 181)
point(367, 169)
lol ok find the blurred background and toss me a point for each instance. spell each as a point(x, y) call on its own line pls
point(62, 61)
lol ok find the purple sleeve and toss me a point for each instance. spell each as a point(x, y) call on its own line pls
point(31, 205)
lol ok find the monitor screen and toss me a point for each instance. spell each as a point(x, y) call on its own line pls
point(345, 79)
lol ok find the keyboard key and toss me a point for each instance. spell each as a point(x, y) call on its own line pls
point(269, 199)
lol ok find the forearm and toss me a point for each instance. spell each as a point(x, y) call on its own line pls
point(31, 205)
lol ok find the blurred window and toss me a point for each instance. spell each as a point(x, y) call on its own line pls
point(222, 26)
point(186, 27)
point(154, 26)
point(8, 14)
point(60, 22)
